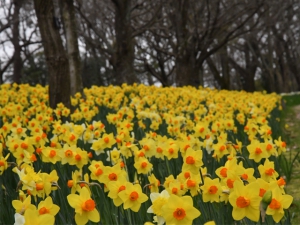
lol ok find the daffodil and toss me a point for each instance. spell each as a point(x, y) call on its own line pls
point(245, 201)
point(142, 165)
point(158, 201)
point(113, 173)
point(211, 190)
point(179, 210)
point(267, 171)
point(132, 197)
point(3, 163)
point(192, 160)
point(115, 187)
point(257, 151)
point(22, 206)
point(85, 207)
point(154, 183)
point(47, 207)
point(278, 203)
point(33, 217)
point(19, 219)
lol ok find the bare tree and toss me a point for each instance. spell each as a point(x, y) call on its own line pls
point(70, 27)
point(56, 57)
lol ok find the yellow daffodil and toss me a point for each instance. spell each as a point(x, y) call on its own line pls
point(267, 171)
point(115, 187)
point(33, 217)
point(245, 201)
point(192, 161)
point(179, 210)
point(47, 206)
point(158, 201)
point(256, 151)
point(22, 206)
point(85, 207)
point(278, 203)
point(211, 190)
point(154, 183)
point(142, 165)
point(132, 197)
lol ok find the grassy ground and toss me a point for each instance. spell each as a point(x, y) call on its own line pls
point(291, 126)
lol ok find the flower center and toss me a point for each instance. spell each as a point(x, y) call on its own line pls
point(98, 172)
point(77, 157)
point(191, 183)
point(187, 175)
point(144, 165)
point(106, 140)
point(222, 148)
point(179, 213)
point(72, 137)
point(112, 176)
point(159, 150)
point(242, 202)
point(52, 153)
point(19, 130)
point(88, 205)
point(258, 151)
point(24, 145)
point(39, 186)
point(190, 160)
point(44, 210)
point(269, 147)
point(223, 172)
point(70, 183)
point(262, 192)
point(69, 153)
point(212, 189)
point(270, 171)
point(245, 176)
point(122, 188)
point(281, 182)
point(229, 183)
point(171, 150)
point(275, 204)
point(134, 196)
point(174, 190)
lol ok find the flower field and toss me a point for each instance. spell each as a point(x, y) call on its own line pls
point(141, 155)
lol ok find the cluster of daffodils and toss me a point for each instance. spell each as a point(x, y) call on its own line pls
point(161, 153)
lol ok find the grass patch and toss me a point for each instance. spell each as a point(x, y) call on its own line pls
point(290, 121)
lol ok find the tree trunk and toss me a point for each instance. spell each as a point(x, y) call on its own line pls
point(56, 57)
point(69, 20)
point(124, 55)
point(17, 60)
point(186, 72)
point(225, 68)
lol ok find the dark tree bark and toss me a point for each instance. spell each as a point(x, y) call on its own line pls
point(69, 20)
point(186, 73)
point(56, 57)
point(124, 50)
point(17, 63)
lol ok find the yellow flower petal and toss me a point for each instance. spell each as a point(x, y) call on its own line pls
point(81, 219)
point(94, 216)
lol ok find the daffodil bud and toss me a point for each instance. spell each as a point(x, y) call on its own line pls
point(267, 198)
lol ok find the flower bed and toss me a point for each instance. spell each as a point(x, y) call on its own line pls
point(138, 154)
